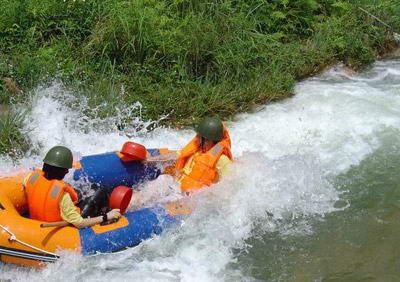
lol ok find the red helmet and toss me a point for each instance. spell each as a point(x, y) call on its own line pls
point(134, 151)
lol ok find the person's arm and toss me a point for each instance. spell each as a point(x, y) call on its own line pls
point(113, 214)
point(172, 156)
point(222, 166)
point(69, 213)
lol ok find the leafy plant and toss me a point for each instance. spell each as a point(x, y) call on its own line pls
point(11, 140)
point(183, 59)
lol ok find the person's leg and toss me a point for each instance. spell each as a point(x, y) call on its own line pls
point(96, 204)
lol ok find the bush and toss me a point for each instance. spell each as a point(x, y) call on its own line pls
point(11, 140)
point(186, 58)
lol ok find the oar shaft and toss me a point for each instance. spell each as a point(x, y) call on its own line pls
point(54, 224)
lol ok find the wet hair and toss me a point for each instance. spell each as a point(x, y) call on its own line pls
point(53, 172)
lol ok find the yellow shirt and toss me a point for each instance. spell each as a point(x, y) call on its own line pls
point(223, 164)
point(68, 210)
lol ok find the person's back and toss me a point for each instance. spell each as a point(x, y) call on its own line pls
point(50, 198)
point(45, 192)
point(45, 188)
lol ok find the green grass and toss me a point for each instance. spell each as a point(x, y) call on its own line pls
point(11, 140)
point(184, 59)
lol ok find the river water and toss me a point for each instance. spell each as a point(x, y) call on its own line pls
point(313, 194)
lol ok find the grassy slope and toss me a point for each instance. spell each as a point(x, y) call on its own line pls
point(185, 58)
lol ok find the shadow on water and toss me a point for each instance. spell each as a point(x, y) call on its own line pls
point(358, 243)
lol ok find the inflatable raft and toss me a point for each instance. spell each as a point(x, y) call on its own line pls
point(24, 241)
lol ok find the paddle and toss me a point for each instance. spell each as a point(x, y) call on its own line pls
point(55, 224)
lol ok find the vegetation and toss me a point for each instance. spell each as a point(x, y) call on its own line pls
point(11, 140)
point(184, 59)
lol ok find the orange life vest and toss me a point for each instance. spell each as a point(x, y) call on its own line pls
point(44, 196)
point(203, 171)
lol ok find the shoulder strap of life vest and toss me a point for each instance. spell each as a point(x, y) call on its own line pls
point(71, 191)
point(216, 151)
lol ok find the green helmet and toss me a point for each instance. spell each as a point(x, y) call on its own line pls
point(211, 128)
point(59, 156)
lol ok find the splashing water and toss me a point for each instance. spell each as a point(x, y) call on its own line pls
point(286, 155)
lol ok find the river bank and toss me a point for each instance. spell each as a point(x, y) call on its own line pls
point(12, 141)
point(4, 110)
point(395, 53)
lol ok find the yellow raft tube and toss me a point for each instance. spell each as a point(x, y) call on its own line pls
point(24, 241)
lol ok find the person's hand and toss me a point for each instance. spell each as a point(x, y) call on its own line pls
point(150, 159)
point(114, 214)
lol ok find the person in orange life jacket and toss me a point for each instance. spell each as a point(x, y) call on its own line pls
point(200, 163)
point(51, 199)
